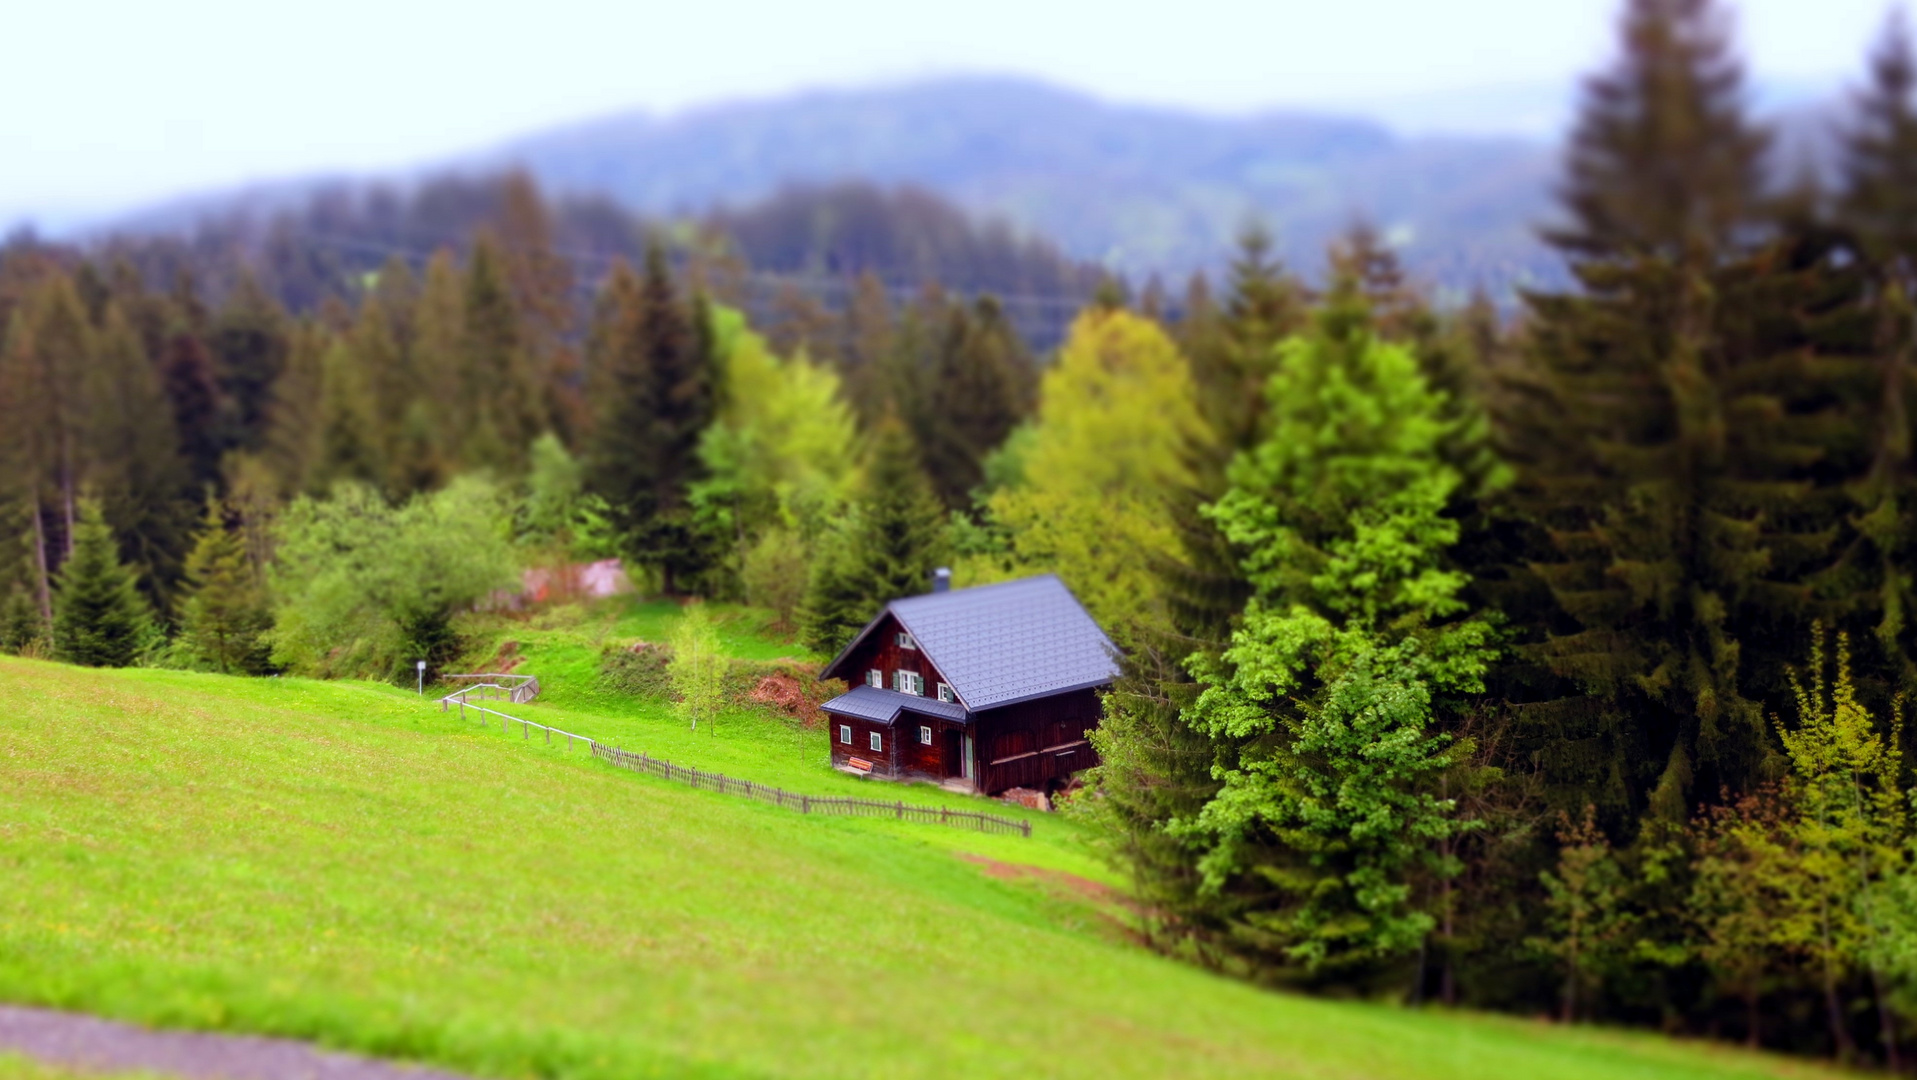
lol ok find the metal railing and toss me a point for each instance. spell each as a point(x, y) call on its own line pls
point(517, 689)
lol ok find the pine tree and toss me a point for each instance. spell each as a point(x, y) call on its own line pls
point(186, 375)
point(1668, 427)
point(501, 391)
point(1330, 684)
point(886, 549)
point(979, 388)
point(58, 342)
point(135, 467)
point(867, 342)
point(42, 370)
point(436, 437)
point(657, 398)
point(349, 439)
point(224, 618)
point(295, 420)
point(99, 617)
point(1877, 203)
point(249, 341)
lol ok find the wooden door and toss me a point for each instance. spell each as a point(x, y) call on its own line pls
point(952, 759)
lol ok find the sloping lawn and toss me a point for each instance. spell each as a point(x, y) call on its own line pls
point(339, 862)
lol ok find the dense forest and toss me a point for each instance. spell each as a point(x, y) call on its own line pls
point(1471, 659)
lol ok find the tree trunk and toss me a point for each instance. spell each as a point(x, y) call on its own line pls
point(42, 586)
point(1886, 1023)
point(1840, 1035)
point(66, 485)
point(1571, 993)
point(1752, 1016)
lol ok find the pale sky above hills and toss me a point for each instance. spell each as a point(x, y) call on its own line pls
point(108, 105)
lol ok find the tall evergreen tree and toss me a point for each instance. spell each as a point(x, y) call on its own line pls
point(136, 470)
point(42, 415)
point(296, 418)
point(99, 617)
point(225, 617)
point(349, 437)
point(886, 549)
point(979, 387)
point(1329, 686)
point(1666, 431)
point(249, 339)
point(186, 375)
point(502, 392)
point(657, 399)
point(1877, 204)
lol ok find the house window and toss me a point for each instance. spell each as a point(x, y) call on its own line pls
point(925, 735)
point(945, 693)
point(906, 641)
point(875, 679)
point(878, 743)
point(908, 682)
point(845, 734)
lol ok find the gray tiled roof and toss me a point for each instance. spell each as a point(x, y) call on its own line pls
point(999, 644)
point(872, 703)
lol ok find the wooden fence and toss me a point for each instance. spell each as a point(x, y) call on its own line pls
point(809, 804)
point(708, 781)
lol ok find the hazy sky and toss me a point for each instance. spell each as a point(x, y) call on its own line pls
point(107, 104)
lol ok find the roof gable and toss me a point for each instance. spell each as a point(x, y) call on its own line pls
point(1001, 644)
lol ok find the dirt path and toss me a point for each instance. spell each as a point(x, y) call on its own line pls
point(83, 1042)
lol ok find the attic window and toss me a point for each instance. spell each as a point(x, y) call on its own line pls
point(875, 679)
point(845, 734)
point(925, 735)
point(906, 641)
point(908, 682)
point(946, 695)
point(878, 743)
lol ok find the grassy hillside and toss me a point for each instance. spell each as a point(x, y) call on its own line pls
point(339, 862)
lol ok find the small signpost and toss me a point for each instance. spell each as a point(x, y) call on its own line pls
point(422, 678)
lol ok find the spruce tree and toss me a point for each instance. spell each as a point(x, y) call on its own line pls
point(887, 548)
point(1328, 689)
point(136, 470)
point(1667, 430)
point(436, 437)
point(43, 361)
point(657, 396)
point(502, 394)
point(99, 617)
point(224, 618)
point(249, 341)
point(1877, 205)
point(349, 438)
point(186, 374)
point(295, 420)
point(980, 386)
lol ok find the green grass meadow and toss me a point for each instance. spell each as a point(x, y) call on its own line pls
point(342, 862)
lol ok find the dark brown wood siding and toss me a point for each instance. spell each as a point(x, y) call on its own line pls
point(882, 651)
point(1034, 742)
point(884, 762)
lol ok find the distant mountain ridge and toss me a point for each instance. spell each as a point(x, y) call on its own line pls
point(1138, 188)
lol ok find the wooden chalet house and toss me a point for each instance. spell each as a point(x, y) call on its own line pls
point(980, 689)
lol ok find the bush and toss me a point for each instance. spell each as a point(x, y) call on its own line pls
point(365, 589)
point(786, 687)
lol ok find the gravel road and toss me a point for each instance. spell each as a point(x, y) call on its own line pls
point(84, 1042)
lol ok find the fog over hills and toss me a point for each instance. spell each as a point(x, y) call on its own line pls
point(1140, 189)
